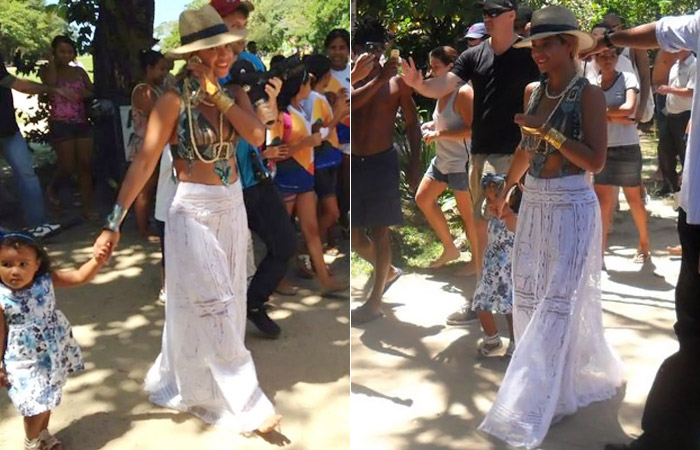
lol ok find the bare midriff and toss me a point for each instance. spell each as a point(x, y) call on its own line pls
point(203, 173)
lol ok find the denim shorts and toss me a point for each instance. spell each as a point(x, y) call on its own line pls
point(457, 181)
point(623, 167)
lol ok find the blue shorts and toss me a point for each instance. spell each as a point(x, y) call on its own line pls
point(292, 178)
point(458, 181)
point(376, 199)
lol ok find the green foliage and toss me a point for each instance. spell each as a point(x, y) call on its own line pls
point(301, 24)
point(26, 30)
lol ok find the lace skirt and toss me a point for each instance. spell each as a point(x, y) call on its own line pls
point(204, 368)
point(562, 361)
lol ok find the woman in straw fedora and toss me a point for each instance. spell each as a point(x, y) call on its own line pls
point(562, 361)
point(204, 367)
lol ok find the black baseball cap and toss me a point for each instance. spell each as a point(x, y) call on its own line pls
point(524, 13)
point(508, 5)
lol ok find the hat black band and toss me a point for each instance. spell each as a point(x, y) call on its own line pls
point(551, 28)
point(203, 34)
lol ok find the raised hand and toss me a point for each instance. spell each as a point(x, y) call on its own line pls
point(411, 75)
point(273, 88)
point(363, 67)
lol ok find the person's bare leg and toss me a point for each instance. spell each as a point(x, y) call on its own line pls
point(466, 210)
point(488, 323)
point(362, 245)
point(65, 155)
point(426, 197)
point(84, 154)
point(372, 308)
point(605, 195)
point(509, 319)
point(328, 215)
point(142, 205)
point(306, 212)
point(34, 424)
point(639, 214)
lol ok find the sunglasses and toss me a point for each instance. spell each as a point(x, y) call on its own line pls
point(493, 12)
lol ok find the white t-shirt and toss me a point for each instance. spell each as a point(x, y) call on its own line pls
point(674, 34)
point(682, 75)
point(615, 96)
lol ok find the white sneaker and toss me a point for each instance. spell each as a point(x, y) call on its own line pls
point(162, 295)
point(45, 230)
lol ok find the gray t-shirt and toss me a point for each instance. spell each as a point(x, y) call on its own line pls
point(616, 96)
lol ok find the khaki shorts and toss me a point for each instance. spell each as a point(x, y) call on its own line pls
point(485, 163)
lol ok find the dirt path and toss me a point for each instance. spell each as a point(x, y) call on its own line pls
point(417, 384)
point(118, 323)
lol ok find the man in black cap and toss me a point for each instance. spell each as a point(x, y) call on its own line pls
point(499, 74)
point(523, 16)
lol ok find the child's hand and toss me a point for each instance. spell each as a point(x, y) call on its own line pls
point(103, 253)
point(3, 378)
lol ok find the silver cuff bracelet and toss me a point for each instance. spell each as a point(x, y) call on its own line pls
point(115, 218)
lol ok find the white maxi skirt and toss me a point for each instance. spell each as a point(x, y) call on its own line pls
point(204, 367)
point(562, 361)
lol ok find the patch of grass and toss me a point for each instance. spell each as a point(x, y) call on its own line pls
point(359, 267)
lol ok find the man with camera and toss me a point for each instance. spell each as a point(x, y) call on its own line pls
point(267, 216)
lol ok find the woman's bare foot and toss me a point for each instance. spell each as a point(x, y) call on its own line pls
point(333, 286)
point(468, 270)
point(270, 424)
point(447, 255)
point(675, 250)
point(365, 314)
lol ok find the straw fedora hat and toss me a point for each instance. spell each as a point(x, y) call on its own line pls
point(553, 20)
point(201, 29)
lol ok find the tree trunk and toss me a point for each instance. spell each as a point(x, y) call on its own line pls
point(124, 27)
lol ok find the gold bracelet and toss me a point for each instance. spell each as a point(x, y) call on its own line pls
point(222, 101)
point(555, 138)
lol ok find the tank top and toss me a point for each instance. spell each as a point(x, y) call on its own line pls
point(139, 119)
point(566, 118)
point(451, 156)
point(65, 110)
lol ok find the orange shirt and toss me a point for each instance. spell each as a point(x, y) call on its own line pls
point(318, 108)
point(301, 128)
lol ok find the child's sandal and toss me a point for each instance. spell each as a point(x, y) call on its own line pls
point(34, 444)
point(50, 441)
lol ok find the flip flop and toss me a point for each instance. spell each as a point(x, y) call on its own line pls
point(388, 284)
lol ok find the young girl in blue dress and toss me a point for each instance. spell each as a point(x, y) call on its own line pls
point(37, 347)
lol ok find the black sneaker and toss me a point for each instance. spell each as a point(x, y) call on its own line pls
point(262, 322)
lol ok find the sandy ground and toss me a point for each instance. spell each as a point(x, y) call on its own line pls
point(418, 384)
point(118, 323)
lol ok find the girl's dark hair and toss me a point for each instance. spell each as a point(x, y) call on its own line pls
point(276, 60)
point(61, 39)
point(335, 34)
point(149, 58)
point(318, 66)
point(19, 240)
point(292, 84)
point(445, 53)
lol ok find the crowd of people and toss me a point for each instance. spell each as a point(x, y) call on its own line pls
point(535, 130)
point(239, 149)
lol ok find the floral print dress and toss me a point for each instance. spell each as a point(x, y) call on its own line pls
point(41, 350)
point(494, 291)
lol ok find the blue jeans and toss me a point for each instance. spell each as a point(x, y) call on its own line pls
point(16, 152)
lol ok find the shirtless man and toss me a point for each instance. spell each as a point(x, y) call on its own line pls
point(376, 203)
